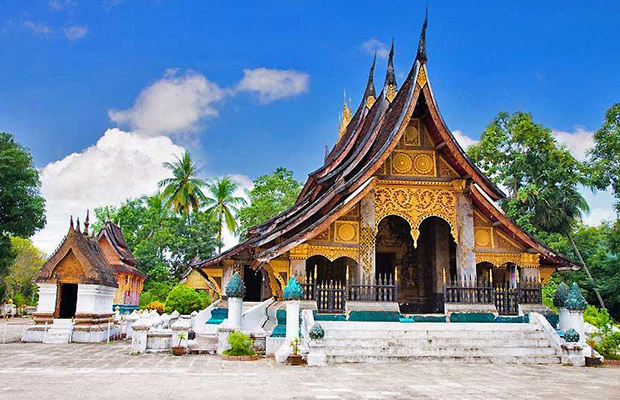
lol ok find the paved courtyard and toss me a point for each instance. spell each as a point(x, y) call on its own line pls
point(99, 371)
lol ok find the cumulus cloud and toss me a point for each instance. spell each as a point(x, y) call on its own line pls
point(39, 29)
point(173, 105)
point(75, 32)
point(274, 84)
point(373, 45)
point(464, 140)
point(120, 165)
point(578, 142)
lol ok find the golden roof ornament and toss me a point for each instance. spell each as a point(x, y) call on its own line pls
point(345, 119)
point(390, 78)
point(369, 94)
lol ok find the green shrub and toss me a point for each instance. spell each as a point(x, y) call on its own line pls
point(19, 300)
point(185, 300)
point(597, 317)
point(548, 291)
point(240, 344)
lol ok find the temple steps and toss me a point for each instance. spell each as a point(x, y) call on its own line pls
point(524, 343)
point(59, 332)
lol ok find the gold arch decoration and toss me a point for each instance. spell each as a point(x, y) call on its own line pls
point(305, 251)
point(415, 205)
point(525, 260)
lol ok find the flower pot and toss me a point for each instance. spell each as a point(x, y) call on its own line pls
point(178, 350)
point(295, 359)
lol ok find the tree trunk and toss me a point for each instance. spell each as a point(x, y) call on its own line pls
point(585, 268)
point(219, 234)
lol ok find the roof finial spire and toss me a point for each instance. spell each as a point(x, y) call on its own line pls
point(346, 117)
point(369, 93)
point(71, 222)
point(390, 78)
point(422, 43)
point(86, 223)
point(77, 225)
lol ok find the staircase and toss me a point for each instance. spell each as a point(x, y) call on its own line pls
point(523, 343)
point(59, 332)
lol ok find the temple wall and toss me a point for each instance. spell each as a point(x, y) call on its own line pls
point(47, 297)
point(94, 299)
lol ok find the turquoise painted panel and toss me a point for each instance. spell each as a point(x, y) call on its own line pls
point(429, 318)
point(218, 315)
point(374, 316)
point(509, 320)
point(554, 320)
point(329, 317)
point(125, 308)
point(472, 317)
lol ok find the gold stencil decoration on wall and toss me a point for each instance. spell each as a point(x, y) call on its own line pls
point(504, 243)
point(323, 235)
point(368, 236)
point(445, 170)
point(483, 237)
point(525, 260)
point(422, 79)
point(415, 205)
point(346, 231)
point(413, 163)
point(412, 133)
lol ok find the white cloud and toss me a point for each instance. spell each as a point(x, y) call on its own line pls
point(173, 105)
point(373, 45)
point(75, 32)
point(464, 140)
point(58, 5)
point(274, 84)
point(120, 165)
point(578, 142)
point(39, 29)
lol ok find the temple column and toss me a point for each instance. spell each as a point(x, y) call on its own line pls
point(465, 255)
point(368, 234)
point(441, 262)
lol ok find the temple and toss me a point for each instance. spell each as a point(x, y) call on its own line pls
point(396, 214)
point(86, 278)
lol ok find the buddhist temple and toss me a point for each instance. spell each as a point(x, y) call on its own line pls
point(397, 213)
point(86, 278)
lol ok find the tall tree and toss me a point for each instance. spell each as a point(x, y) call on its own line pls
point(22, 209)
point(25, 268)
point(183, 190)
point(223, 205)
point(271, 195)
point(541, 177)
point(605, 156)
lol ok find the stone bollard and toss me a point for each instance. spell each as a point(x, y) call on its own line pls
point(235, 290)
point(129, 321)
point(139, 338)
point(573, 351)
point(559, 301)
point(181, 326)
point(293, 293)
point(316, 352)
point(575, 305)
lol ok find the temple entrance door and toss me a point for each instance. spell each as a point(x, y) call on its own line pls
point(253, 281)
point(68, 300)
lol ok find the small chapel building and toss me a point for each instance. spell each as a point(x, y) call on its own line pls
point(81, 284)
point(397, 213)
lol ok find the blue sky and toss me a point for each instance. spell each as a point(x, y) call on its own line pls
point(250, 87)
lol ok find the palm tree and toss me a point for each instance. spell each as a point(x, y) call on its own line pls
point(561, 215)
point(183, 190)
point(223, 205)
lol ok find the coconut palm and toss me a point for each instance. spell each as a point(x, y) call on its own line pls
point(183, 190)
point(223, 205)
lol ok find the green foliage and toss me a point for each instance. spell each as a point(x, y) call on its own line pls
point(183, 190)
point(185, 300)
point(542, 178)
point(597, 317)
point(548, 292)
point(605, 156)
point(223, 205)
point(271, 195)
point(19, 300)
point(163, 242)
point(240, 344)
point(24, 269)
point(22, 209)
point(294, 345)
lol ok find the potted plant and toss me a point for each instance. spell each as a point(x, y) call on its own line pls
point(240, 348)
point(295, 358)
point(179, 350)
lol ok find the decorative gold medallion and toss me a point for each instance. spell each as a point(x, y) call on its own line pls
point(402, 163)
